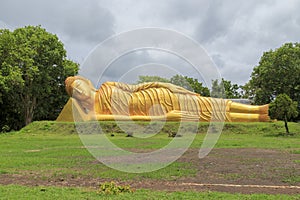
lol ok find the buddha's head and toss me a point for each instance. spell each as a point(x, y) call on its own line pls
point(81, 89)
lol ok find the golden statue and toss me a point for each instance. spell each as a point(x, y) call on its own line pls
point(154, 101)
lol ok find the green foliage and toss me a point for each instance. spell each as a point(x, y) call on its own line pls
point(225, 89)
point(109, 188)
point(5, 129)
point(278, 72)
point(283, 108)
point(217, 89)
point(144, 79)
point(231, 90)
point(246, 91)
point(181, 81)
point(33, 67)
point(191, 84)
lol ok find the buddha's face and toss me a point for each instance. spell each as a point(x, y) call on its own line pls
point(81, 90)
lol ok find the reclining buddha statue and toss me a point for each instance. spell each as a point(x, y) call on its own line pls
point(156, 101)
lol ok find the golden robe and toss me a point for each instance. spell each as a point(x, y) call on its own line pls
point(151, 99)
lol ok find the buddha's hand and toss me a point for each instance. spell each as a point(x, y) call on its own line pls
point(181, 90)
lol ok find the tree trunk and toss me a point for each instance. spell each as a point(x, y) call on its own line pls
point(29, 109)
point(28, 118)
point(286, 125)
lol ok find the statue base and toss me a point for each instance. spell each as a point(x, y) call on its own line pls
point(71, 109)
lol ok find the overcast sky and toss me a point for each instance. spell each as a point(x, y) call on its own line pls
point(234, 33)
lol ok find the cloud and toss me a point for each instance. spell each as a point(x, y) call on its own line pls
point(241, 32)
point(3, 25)
point(79, 24)
point(129, 67)
point(86, 21)
point(234, 33)
point(121, 54)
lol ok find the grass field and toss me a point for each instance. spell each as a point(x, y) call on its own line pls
point(23, 192)
point(45, 151)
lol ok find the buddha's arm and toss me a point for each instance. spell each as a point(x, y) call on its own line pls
point(171, 116)
point(145, 86)
point(128, 118)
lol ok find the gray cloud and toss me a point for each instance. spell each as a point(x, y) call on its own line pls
point(79, 24)
point(184, 10)
point(148, 62)
point(88, 22)
point(242, 37)
point(234, 33)
point(83, 20)
point(119, 55)
point(216, 21)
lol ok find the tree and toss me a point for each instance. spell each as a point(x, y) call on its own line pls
point(246, 91)
point(231, 89)
point(278, 72)
point(33, 67)
point(283, 108)
point(197, 86)
point(181, 81)
point(217, 89)
point(191, 84)
point(225, 89)
point(144, 79)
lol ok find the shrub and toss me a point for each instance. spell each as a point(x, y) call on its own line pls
point(109, 188)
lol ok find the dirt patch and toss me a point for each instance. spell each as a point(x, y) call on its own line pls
point(245, 166)
point(227, 170)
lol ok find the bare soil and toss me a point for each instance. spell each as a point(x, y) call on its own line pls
point(246, 170)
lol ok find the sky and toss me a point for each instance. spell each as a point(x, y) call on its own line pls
point(233, 33)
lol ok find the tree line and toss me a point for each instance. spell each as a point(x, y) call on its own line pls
point(224, 88)
point(34, 65)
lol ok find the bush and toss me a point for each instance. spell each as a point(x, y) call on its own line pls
point(109, 188)
point(5, 129)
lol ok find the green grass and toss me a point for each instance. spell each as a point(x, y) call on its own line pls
point(292, 179)
point(57, 155)
point(54, 150)
point(295, 151)
point(23, 192)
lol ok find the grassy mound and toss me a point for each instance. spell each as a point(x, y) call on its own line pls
point(42, 127)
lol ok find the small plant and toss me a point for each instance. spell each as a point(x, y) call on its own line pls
point(111, 188)
point(47, 127)
point(172, 132)
point(5, 129)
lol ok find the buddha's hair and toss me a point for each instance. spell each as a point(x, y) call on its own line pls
point(71, 79)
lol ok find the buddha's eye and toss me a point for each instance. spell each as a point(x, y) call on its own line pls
point(78, 90)
point(78, 83)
